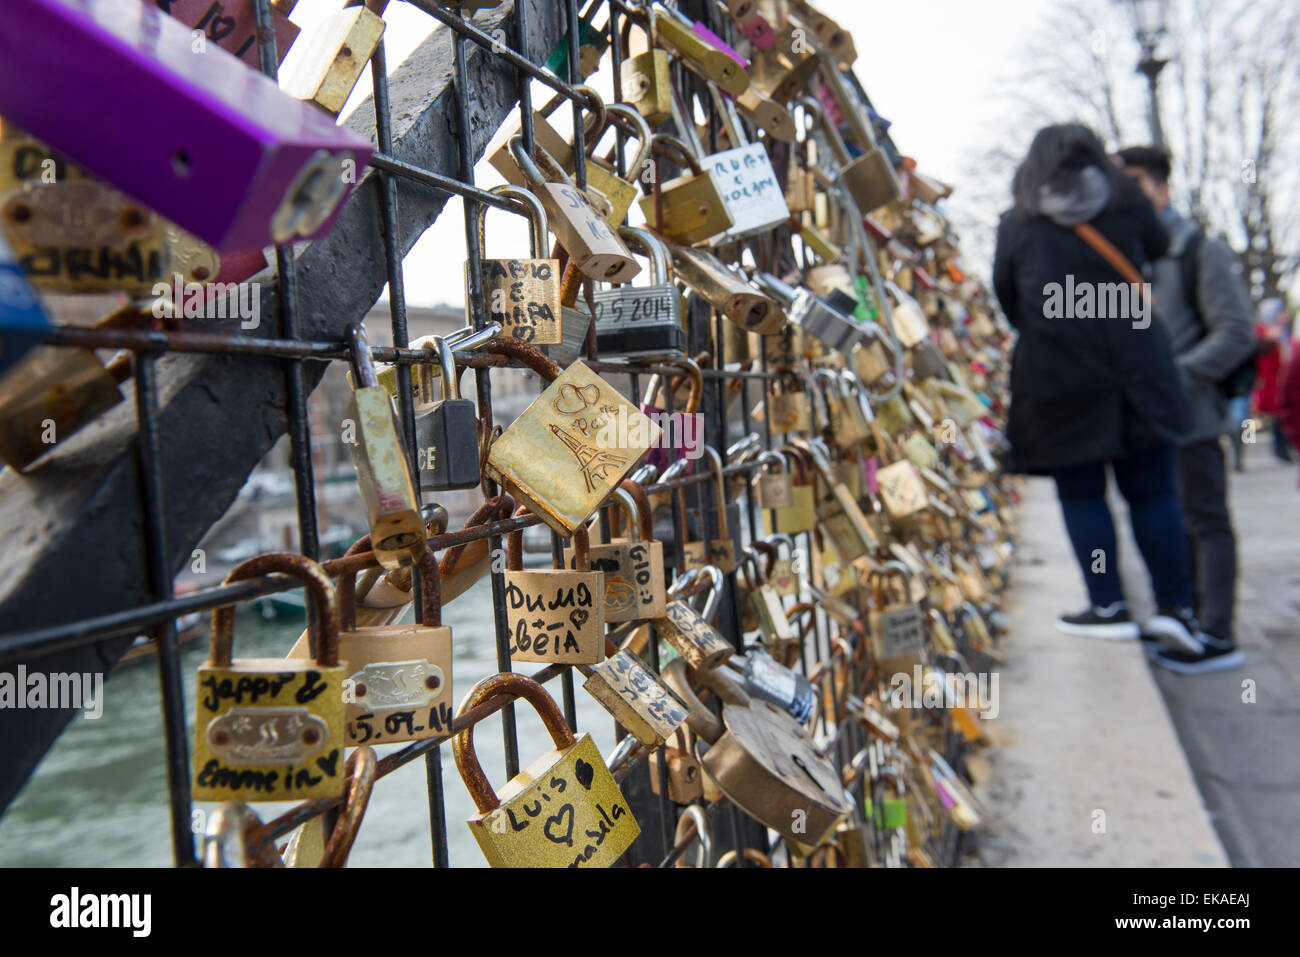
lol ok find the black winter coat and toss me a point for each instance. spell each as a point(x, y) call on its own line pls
point(1083, 389)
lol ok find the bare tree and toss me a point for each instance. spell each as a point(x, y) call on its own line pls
point(1227, 100)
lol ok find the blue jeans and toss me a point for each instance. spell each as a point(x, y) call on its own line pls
point(1146, 480)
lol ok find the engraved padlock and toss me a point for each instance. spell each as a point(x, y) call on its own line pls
point(400, 678)
point(582, 231)
point(383, 473)
point(578, 440)
point(690, 208)
point(733, 296)
point(523, 295)
point(642, 322)
point(563, 810)
point(774, 489)
point(633, 566)
point(554, 615)
point(689, 631)
point(267, 729)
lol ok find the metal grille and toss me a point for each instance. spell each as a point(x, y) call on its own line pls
point(294, 350)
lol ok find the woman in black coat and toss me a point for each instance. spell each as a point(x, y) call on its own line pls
point(1093, 378)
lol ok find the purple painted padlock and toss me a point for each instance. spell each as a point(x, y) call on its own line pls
point(184, 127)
point(710, 37)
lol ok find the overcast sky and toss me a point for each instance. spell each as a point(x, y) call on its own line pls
point(937, 89)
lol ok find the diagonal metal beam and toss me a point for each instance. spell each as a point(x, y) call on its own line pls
point(74, 543)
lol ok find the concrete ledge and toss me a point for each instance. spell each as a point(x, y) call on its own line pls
point(1088, 768)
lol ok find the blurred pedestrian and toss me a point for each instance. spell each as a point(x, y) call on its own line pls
point(1101, 386)
point(1274, 332)
point(1205, 308)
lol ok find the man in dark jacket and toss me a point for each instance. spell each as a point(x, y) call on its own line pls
point(1211, 336)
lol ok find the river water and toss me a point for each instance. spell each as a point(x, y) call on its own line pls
point(99, 798)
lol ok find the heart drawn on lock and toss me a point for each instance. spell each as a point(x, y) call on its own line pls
point(220, 27)
point(572, 399)
point(563, 818)
point(585, 773)
point(579, 617)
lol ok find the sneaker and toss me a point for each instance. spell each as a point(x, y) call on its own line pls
point(1177, 628)
point(1215, 655)
point(1111, 622)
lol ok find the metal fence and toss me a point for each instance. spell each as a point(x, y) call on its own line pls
point(845, 738)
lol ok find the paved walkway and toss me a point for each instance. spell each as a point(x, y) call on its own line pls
point(1106, 761)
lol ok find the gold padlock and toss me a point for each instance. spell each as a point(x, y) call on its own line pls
point(400, 684)
point(564, 810)
point(646, 82)
point(383, 471)
point(721, 551)
point(690, 208)
point(774, 489)
point(335, 55)
point(635, 698)
point(582, 415)
point(523, 295)
point(869, 179)
point(595, 249)
point(701, 56)
point(897, 627)
point(689, 631)
point(736, 299)
point(634, 566)
point(685, 779)
point(801, 516)
point(783, 70)
point(600, 172)
point(555, 615)
point(267, 729)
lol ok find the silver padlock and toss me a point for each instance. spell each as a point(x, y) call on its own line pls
point(814, 315)
point(642, 322)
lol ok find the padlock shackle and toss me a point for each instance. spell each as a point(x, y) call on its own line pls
point(642, 511)
point(631, 122)
point(780, 539)
point(663, 146)
point(529, 166)
point(462, 746)
point(430, 593)
point(361, 358)
point(653, 248)
point(706, 725)
point(530, 356)
point(515, 546)
point(322, 637)
point(359, 776)
point(799, 469)
point(693, 814)
point(696, 375)
point(879, 576)
point(723, 682)
point(768, 550)
point(743, 447)
point(719, 491)
point(812, 107)
point(538, 225)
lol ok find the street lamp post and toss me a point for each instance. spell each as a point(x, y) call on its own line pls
point(1149, 23)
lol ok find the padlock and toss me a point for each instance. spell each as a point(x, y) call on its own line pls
point(748, 577)
point(690, 208)
point(767, 765)
point(727, 292)
point(674, 434)
point(564, 810)
point(646, 81)
point(400, 676)
point(837, 41)
point(755, 27)
point(601, 174)
point(689, 631)
point(772, 621)
point(902, 490)
point(719, 552)
point(783, 70)
point(889, 815)
point(578, 413)
point(334, 57)
point(633, 566)
point(642, 322)
point(383, 473)
point(870, 362)
point(446, 430)
point(813, 315)
point(228, 839)
point(800, 516)
point(554, 615)
point(897, 628)
point(523, 295)
point(232, 25)
point(595, 249)
point(910, 325)
point(250, 165)
point(843, 427)
point(677, 34)
point(685, 779)
point(786, 575)
point(774, 489)
point(753, 197)
point(788, 409)
point(267, 729)
point(869, 179)
point(635, 698)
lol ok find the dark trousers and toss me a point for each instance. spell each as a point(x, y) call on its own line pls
point(1146, 479)
point(1203, 491)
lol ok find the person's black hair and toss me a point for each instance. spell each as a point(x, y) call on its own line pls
point(1057, 157)
point(1153, 159)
